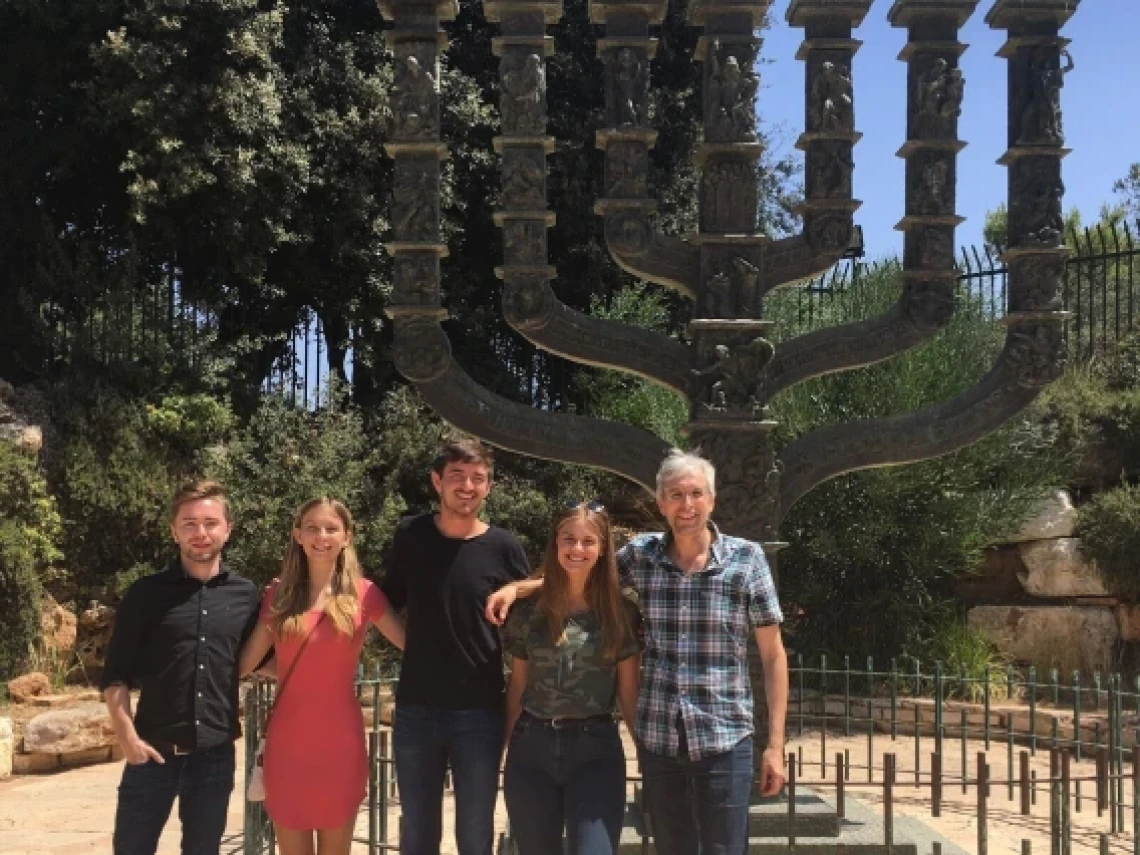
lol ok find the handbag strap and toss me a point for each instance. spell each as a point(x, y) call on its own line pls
point(292, 667)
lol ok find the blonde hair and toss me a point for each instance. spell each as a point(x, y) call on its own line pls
point(291, 600)
point(603, 590)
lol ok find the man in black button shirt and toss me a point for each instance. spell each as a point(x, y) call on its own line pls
point(177, 636)
point(450, 701)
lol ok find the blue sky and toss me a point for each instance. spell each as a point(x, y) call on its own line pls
point(1102, 122)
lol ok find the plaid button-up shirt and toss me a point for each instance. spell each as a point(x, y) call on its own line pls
point(695, 662)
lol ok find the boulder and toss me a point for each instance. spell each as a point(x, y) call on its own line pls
point(95, 625)
point(15, 426)
point(7, 747)
point(1058, 568)
point(1128, 619)
point(1054, 516)
point(58, 628)
point(996, 579)
point(23, 689)
point(1068, 638)
point(81, 728)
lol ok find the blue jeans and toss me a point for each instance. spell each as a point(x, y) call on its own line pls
point(699, 807)
point(570, 776)
point(202, 781)
point(425, 741)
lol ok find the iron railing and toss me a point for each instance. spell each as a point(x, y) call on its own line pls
point(1101, 288)
point(1056, 756)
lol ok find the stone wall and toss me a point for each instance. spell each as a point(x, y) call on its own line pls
point(1044, 603)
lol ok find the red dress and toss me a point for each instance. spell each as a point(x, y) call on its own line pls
point(316, 763)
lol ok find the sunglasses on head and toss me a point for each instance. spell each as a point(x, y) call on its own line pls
point(596, 507)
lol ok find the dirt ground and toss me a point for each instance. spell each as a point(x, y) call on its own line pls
point(72, 812)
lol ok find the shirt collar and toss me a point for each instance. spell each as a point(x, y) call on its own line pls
point(177, 572)
point(718, 549)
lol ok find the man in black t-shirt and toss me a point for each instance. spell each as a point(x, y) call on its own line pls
point(449, 701)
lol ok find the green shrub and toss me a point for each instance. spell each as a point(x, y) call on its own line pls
point(119, 464)
point(1109, 528)
point(29, 534)
point(283, 457)
point(969, 659)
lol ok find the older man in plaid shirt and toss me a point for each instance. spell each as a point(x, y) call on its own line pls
point(702, 593)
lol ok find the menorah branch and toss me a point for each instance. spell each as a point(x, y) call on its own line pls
point(1031, 359)
point(532, 308)
point(1034, 352)
point(424, 356)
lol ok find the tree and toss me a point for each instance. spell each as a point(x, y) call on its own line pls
point(1129, 188)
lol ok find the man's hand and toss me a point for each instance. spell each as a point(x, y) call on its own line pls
point(136, 752)
point(499, 604)
point(772, 770)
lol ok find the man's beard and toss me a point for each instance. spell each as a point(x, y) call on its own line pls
point(206, 556)
point(459, 507)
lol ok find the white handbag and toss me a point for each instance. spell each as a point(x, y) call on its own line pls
point(255, 786)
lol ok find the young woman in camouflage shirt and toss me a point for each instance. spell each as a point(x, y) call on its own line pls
point(575, 651)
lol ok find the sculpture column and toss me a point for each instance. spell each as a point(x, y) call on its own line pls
point(935, 88)
point(420, 349)
point(523, 48)
point(730, 354)
point(1037, 62)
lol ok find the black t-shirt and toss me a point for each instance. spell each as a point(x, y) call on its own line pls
point(453, 657)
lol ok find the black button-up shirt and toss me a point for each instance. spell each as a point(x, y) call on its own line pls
point(177, 640)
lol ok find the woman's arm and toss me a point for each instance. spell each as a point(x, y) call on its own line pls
point(391, 627)
point(516, 683)
point(254, 649)
point(628, 682)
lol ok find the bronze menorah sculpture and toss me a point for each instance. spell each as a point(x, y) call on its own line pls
point(728, 370)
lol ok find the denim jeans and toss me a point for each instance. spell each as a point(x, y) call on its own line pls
point(202, 781)
point(425, 741)
point(570, 776)
point(699, 807)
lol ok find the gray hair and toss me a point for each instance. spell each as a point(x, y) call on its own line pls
point(679, 463)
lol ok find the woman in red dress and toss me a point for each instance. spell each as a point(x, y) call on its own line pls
point(315, 761)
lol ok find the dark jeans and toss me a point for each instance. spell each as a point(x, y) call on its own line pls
point(425, 741)
point(202, 781)
point(570, 776)
point(699, 807)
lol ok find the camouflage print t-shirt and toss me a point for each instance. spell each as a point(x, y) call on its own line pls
point(572, 679)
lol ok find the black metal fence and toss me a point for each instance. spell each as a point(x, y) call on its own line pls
point(1101, 289)
point(1027, 764)
point(158, 324)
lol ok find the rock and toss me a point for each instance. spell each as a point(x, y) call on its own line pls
point(58, 628)
point(1128, 619)
point(63, 700)
point(7, 747)
point(81, 728)
point(95, 625)
point(16, 426)
point(997, 579)
point(1064, 637)
point(23, 689)
point(33, 764)
point(1058, 568)
point(1053, 517)
point(86, 757)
